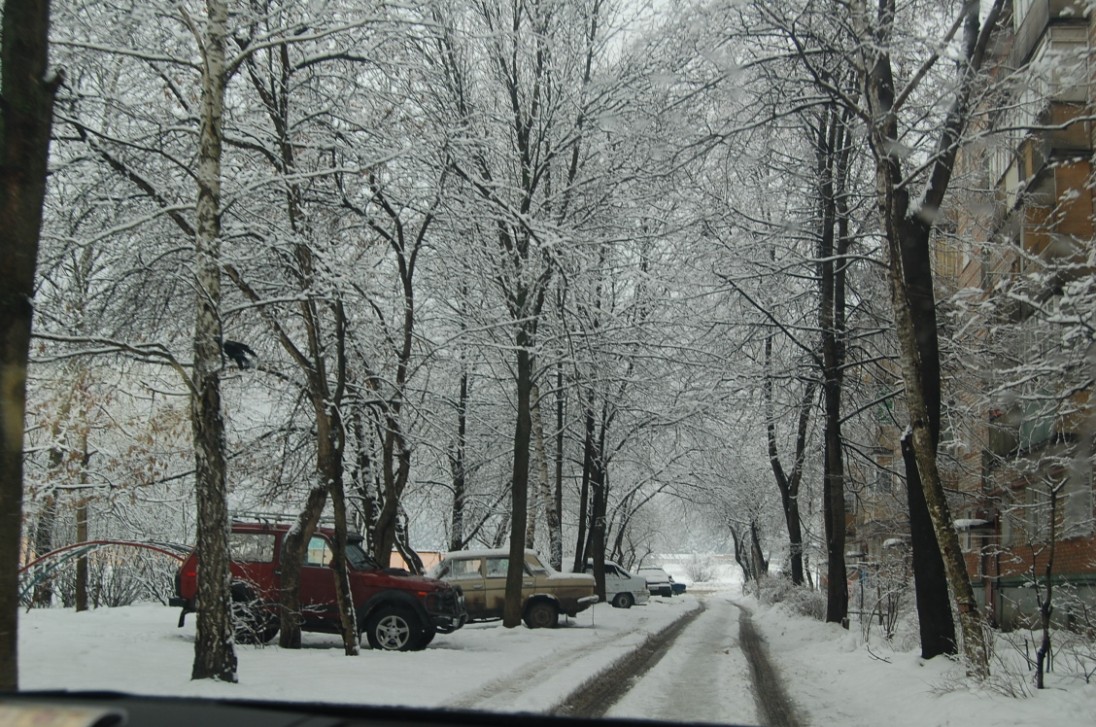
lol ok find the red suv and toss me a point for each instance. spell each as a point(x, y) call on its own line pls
point(396, 611)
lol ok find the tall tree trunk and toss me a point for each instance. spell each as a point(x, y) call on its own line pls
point(626, 512)
point(555, 524)
point(741, 556)
point(538, 471)
point(457, 466)
point(273, 82)
point(788, 485)
point(214, 655)
point(595, 550)
point(758, 562)
point(599, 491)
point(396, 455)
point(330, 438)
point(1045, 596)
point(924, 437)
point(832, 153)
point(833, 501)
point(520, 485)
point(361, 472)
point(545, 497)
point(908, 231)
point(934, 619)
point(344, 598)
point(82, 560)
point(331, 459)
point(43, 542)
point(293, 553)
point(47, 516)
point(26, 110)
point(396, 469)
point(582, 543)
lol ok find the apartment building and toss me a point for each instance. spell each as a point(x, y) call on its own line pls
point(1019, 441)
point(1013, 264)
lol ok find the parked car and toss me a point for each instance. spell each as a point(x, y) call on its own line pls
point(545, 593)
point(679, 588)
point(659, 582)
point(622, 589)
point(396, 611)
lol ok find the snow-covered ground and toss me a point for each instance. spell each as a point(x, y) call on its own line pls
point(834, 676)
point(484, 666)
point(841, 677)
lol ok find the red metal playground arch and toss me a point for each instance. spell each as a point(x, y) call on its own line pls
point(46, 565)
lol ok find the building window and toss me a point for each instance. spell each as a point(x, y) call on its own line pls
point(1076, 505)
point(1037, 517)
point(883, 480)
point(850, 503)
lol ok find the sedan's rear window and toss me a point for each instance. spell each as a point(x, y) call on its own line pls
point(460, 568)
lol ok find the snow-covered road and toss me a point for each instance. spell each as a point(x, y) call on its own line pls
point(831, 674)
point(704, 677)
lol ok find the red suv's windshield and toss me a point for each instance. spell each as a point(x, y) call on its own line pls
point(358, 558)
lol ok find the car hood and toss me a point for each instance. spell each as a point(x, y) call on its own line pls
point(409, 580)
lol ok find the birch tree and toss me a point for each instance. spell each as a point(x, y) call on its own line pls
point(293, 295)
point(214, 655)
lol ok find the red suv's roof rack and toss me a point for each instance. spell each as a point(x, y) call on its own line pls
point(273, 518)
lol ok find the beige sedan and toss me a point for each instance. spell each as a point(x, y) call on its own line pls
point(545, 593)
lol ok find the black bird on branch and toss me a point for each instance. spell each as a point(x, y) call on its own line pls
point(238, 352)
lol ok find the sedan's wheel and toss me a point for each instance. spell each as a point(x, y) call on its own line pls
point(623, 600)
point(541, 615)
point(391, 628)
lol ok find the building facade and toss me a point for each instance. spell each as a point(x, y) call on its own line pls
point(1014, 264)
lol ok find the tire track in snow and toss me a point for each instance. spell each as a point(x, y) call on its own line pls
point(502, 694)
point(600, 692)
point(773, 701)
point(702, 675)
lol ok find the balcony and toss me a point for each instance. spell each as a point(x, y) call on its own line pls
point(1063, 141)
point(1040, 15)
point(1048, 162)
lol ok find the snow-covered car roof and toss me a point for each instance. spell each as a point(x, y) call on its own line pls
point(654, 573)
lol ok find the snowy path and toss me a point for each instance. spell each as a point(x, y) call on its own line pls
point(704, 677)
point(539, 674)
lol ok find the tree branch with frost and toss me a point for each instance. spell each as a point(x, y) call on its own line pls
point(146, 352)
point(279, 330)
point(976, 42)
point(283, 38)
point(927, 66)
point(787, 331)
point(126, 53)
